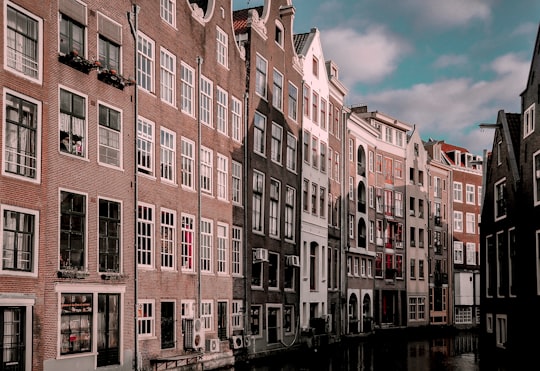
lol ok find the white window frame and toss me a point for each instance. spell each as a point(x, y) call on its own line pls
point(146, 222)
point(237, 177)
point(222, 177)
point(470, 226)
point(206, 99)
point(274, 209)
point(293, 102)
point(258, 201)
point(458, 221)
point(109, 137)
point(146, 313)
point(167, 11)
point(222, 104)
point(222, 237)
point(469, 194)
point(236, 247)
point(222, 47)
point(207, 317)
point(167, 77)
point(261, 76)
point(146, 54)
point(458, 192)
point(187, 81)
point(259, 134)
point(145, 145)
point(277, 143)
point(207, 169)
point(167, 150)
point(237, 127)
point(188, 163)
point(292, 144)
point(458, 252)
point(529, 120)
point(187, 254)
point(168, 238)
point(206, 245)
point(277, 90)
point(290, 212)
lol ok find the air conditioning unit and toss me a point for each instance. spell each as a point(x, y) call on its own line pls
point(193, 334)
point(293, 260)
point(212, 345)
point(260, 255)
point(328, 322)
point(237, 341)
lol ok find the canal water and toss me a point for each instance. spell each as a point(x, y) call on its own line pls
point(455, 351)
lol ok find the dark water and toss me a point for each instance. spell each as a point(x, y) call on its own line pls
point(395, 352)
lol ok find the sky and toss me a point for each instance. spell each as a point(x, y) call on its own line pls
point(442, 66)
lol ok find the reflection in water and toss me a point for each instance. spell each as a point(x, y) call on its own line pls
point(395, 352)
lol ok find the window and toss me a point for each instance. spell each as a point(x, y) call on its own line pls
point(259, 135)
point(274, 208)
point(168, 239)
point(188, 163)
point(258, 197)
point(458, 192)
point(145, 235)
point(237, 183)
point(314, 194)
point(273, 270)
point(529, 120)
point(315, 152)
point(322, 201)
point(222, 101)
point(290, 203)
point(145, 318)
point(19, 240)
point(307, 139)
point(206, 99)
point(458, 252)
point(72, 231)
point(536, 177)
point(293, 101)
point(21, 132)
point(277, 91)
point(306, 97)
point(289, 277)
point(109, 53)
point(500, 199)
point(378, 164)
point(207, 166)
point(323, 157)
point(110, 136)
point(471, 253)
point(279, 34)
point(187, 81)
point(76, 323)
point(237, 128)
point(315, 66)
point(23, 42)
point(500, 330)
point(168, 77)
point(188, 240)
point(167, 11)
point(207, 307)
point(421, 269)
point(458, 221)
point(109, 235)
point(315, 107)
point(72, 31)
point(291, 152)
point(305, 194)
point(236, 251)
point(222, 177)
point(277, 139)
point(168, 155)
point(145, 62)
point(237, 314)
point(222, 52)
point(323, 114)
point(145, 146)
point(207, 237)
point(261, 76)
point(469, 193)
point(222, 247)
point(470, 223)
point(72, 123)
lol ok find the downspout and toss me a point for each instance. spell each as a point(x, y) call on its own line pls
point(199, 193)
point(245, 193)
point(344, 222)
point(133, 26)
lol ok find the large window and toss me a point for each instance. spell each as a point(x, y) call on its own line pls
point(76, 323)
point(168, 155)
point(277, 91)
point(168, 239)
point(274, 208)
point(222, 177)
point(258, 199)
point(72, 31)
point(145, 146)
point(19, 237)
point(293, 101)
point(72, 123)
point(236, 251)
point(259, 134)
point(261, 76)
point(222, 52)
point(13, 342)
point(277, 140)
point(207, 169)
point(187, 81)
point(207, 238)
point(222, 247)
point(72, 231)
point(145, 62)
point(273, 270)
point(109, 54)
point(458, 192)
point(237, 183)
point(222, 101)
point(168, 77)
point(206, 98)
point(145, 235)
point(188, 240)
point(291, 152)
point(188, 163)
point(237, 129)
point(109, 235)
point(22, 40)
point(500, 199)
point(290, 206)
point(167, 11)
point(21, 133)
point(110, 135)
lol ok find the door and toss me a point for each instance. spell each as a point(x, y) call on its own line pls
point(108, 329)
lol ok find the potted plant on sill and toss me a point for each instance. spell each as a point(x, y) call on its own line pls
point(112, 77)
point(73, 59)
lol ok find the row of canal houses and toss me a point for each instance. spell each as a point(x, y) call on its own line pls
point(183, 185)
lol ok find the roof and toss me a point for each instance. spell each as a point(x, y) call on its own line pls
point(240, 19)
point(300, 41)
point(514, 127)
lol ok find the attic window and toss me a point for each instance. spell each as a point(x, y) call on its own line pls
point(279, 35)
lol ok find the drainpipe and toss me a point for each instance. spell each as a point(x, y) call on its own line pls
point(199, 194)
point(133, 26)
point(245, 193)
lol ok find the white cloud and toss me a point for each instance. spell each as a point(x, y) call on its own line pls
point(453, 108)
point(449, 13)
point(450, 60)
point(365, 57)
